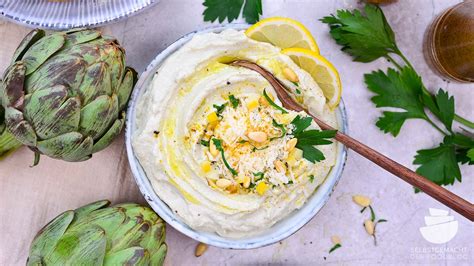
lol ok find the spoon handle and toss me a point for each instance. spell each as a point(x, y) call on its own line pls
point(437, 192)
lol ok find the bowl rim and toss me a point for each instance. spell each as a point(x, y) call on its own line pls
point(309, 209)
point(43, 23)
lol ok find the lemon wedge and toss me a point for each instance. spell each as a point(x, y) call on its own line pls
point(283, 33)
point(322, 71)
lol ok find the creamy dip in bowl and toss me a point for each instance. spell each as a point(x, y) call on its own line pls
point(213, 153)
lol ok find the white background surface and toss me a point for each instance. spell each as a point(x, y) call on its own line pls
point(30, 197)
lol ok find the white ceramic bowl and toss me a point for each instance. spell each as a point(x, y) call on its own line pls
point(281, 230)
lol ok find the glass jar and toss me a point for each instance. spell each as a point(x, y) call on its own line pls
point(449, 43)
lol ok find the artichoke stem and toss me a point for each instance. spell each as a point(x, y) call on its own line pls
point(8, 144)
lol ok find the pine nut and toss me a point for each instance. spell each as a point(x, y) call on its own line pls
point(290, 74)
point(232, 189)
point(369, 227)
point(246, 182)
point(213, 149)
point(200, 249)
point(290, 145)
point(257, 136)
point(262, 101)
point(279, 166)
point(361, 200)
point(223, 183)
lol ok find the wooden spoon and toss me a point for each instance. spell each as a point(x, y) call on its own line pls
point(437, 192)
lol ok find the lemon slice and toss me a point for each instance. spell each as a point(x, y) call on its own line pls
point(283, 33)
point(322, 71)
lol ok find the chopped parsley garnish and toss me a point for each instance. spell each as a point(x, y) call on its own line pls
point(234, 101)
point(219, 108)
point(269, 100)
point(258, 149)
point(311, 178)
point(230, 10)
point(281, 127)
point(259, 176)
point(204, 142)
point(335, 247)
point(308, 138)
point(298, 91)
point(290, 182)
point(219, 147)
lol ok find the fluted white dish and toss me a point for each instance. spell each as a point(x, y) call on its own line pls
point(65, 14)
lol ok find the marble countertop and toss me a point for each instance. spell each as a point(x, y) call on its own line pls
point(30, 197)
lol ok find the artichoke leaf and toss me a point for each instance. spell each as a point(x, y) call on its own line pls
point(51, 111)
point(8, 142)
point(110, 135)
point(126, 86)
point(81, 36)
point(30, 39)
point(96, 82)
point(130, 233)
point(13, 93)
point(141, 212)
point(47, 238)
point(98, 116)
point(130, 256)
point(158, 257)
point(20, 128)
point(34, 261)
point(156, 237)
point(117, 66)
point(61, 69)
point(109, 219)
point(87, 209)
point(71, 146)
point(42, 50)
point(85, 247)
point(89, 52)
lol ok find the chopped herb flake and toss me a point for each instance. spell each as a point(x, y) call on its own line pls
point(204, 143)
point(281, 127)
point(219, 108)
point(269, 100)
point(219, 147)
point(234, 101)
point(335, 247)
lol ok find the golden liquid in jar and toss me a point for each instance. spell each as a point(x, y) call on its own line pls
point(449, 43)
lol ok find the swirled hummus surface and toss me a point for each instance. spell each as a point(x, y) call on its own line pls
point(215, 142)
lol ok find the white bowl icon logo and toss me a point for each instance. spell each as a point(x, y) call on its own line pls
point(440, 228)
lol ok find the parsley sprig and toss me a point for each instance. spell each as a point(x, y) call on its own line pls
point(307, 139)
point(230, 9)
point(367, 36)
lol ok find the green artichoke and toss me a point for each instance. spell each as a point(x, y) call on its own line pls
point(95, 234)
point(64, 93)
